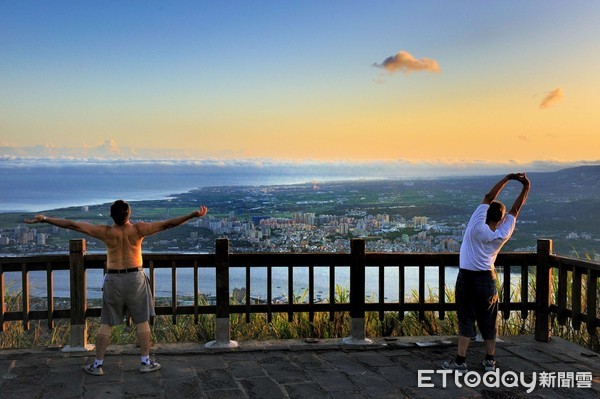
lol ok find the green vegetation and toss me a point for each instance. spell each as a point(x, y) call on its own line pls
point(185, 330)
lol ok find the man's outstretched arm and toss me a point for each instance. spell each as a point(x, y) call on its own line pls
point(96, 231)
point(146, 229)
point(518, 204)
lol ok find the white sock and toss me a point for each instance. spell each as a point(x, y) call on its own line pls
point(145, 359)
point(98, 362)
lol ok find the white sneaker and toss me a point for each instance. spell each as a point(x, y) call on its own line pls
point(452, 365)
point(149, 367)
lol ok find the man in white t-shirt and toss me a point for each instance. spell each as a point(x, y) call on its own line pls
point(476, 294)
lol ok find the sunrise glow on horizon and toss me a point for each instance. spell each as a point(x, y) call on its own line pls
point(340, 80)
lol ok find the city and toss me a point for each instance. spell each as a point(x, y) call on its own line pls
point(393, 216)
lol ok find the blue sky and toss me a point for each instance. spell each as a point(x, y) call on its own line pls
point(301, 81)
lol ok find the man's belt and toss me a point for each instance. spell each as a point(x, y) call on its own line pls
point(131, 270)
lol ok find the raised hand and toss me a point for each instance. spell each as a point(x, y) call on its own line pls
point(202, 211)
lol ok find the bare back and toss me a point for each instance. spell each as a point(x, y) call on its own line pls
point(123, 246)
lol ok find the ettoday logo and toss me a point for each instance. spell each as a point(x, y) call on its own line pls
point(508, 379)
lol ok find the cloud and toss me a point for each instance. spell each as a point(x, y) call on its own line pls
point(404, 62)
point(552, 98)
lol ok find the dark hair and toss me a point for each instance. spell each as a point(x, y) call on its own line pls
point(495, 212)
point(119, 212)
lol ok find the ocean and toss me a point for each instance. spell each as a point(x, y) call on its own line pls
point(207, 282)
point(36, 188)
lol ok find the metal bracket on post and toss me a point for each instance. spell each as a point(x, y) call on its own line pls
point(222, 266)
point(357, 295)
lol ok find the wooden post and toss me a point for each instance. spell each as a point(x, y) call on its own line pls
point(222, 266)
point(78, 340)
point(357, 294)
point(543, 291)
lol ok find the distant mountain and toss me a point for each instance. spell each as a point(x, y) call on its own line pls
point(581, 181)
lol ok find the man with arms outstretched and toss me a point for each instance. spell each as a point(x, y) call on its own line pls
point(125, 286)
point(476, 293)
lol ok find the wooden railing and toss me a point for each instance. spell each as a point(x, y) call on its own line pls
point(575, 277)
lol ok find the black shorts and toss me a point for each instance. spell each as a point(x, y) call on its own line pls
point(477, 300)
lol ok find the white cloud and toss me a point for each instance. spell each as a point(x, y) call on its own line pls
point(407, 63)
point(552, 98)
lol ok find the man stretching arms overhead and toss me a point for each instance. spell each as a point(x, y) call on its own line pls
point(476, 293)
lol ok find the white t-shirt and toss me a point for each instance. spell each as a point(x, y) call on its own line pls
point(480, 244)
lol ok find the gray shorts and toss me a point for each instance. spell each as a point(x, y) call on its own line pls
point(126, 292)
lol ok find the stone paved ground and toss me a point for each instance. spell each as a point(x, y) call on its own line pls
point(295, 369)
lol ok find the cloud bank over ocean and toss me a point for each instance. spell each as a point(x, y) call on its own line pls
point(305, 169)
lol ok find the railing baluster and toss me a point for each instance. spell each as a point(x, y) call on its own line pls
point(576, 299)
point(269, 293)
point(174, 292)
point(247, 297)
point(401, 294)
point(332, 292)
point(442, 289)
point(524, 290)
point(196, 292)
point(311, 294)
point(50, 295)
point(591, 308)
point(563, 275)
point(506, 292)
point(421, 292)
point(381, 279)
point(291, 298)
point(2, 305)
point(25, 295)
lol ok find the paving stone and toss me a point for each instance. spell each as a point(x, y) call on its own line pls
point(372, 359)
point(104, 391)
point(344, 362)
point(347, 395)
point(332, 380)
point(246, 369)
point(306, 390)
point(184, 388)
point(67, 387)
point(374, 385)
point(309, 361)
point(261, 388)
point(225, 394)
point(172, 367)
point(284, 372)
point(216, 379)
point(206, 362)
point(142, 384)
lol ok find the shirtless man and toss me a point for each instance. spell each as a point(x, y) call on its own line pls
point(126, 286)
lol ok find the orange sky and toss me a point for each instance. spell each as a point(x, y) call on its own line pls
point(426, 81)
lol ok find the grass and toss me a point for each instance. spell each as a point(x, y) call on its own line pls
point(259, 328)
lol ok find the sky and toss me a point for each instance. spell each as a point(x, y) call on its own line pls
point(418, 82)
